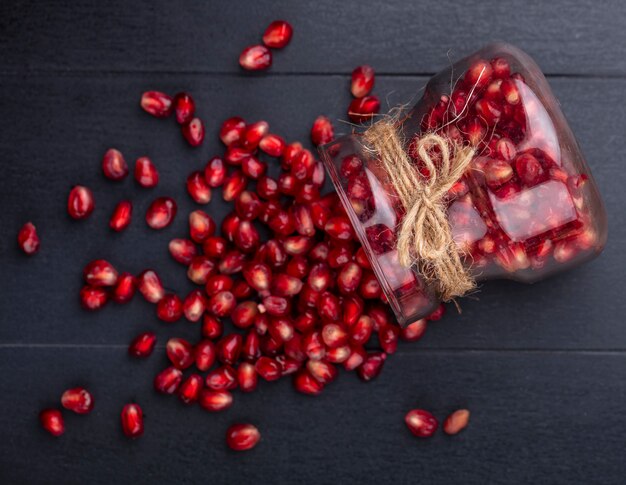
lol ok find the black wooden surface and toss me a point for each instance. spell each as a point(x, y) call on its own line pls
point(542, 367)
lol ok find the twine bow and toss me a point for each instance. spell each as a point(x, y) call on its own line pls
point(424, 238)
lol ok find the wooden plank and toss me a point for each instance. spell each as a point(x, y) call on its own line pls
point(57, 127)
point(566, 37)
point(536, 418)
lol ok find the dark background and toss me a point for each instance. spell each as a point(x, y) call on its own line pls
point(542, 368)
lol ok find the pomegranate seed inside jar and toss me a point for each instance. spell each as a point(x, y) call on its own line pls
point(28, 239)
point(80, 203)
point(114, 166)
point(161, 212)
point(132, 420)
point(362, 81)
point(78, 400)
point(52, 421)
point(421, 423)
point(242, 437)
point(255, 58)
point(278, 34)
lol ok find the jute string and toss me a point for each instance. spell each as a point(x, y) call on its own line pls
point(424, 237)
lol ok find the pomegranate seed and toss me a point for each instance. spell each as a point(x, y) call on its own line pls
point(28, 239)
point(339, 228)
point(246, 237)
point(276, 305)
point(182, 250)
point(488, 111)
point(388, 338)
point(456, 422)
point(100, 273)
point(198, 188)
point(221, 304)
point(352, 309)
point(248, 206)
point(356, 358)
point(281, 329)
point(322, 371)
point(278, 34)
point(201, 226)
point(218, 283)
point(92, 298)
point(190, 389)
point(313, 346)
point(349, 278)
point(234, 185)
point(214, 247)
point(338, 355)
point(510, 92)
point(232, 262)
point(322, 131)
point(255, 58)
point(193, 132)
point(251, 346)
point(370, 287)
point(371, 366)
point(267, 188)
point(200, 270)
point(247, 377)
point(114, 166)
point(229, 348)
point(437, 314)
point(168, 380)
point(222, 378)
point(146, 173)
point(161, 213)
point(132, 420)
point(529, 169)
point(328, 307)
point(254, 134)
point(205, 355)
point(194, 306)
point(185, 107)
point(362, 81)
point(229, 225)
point(334, 335)
point(80, 203)
point(501, 68)
point(211, 327)
point(241, 290)
point(361, 331)
point(78, 400)
point(361, 259)
point(282, 223)
point(254, 168)
point(305, 383)
point(363, 109)
point(169, 308)
point(231, 130)
point(157, 104)
point(478, 74)
point(421, 423)
point(236, 155)
point(244, 314)
point(298, 267)
point(125, 288)
point(121, 217)
point(258, 276)
point(293, 348)
point(52, 421)
point(215, 401)
point(413, 331)
point(215, 172)
point(142, 345)
point(268, 369)
point(272, 144)
point(285, 285)
point(242, 437)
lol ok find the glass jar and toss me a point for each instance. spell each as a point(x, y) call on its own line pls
point(527, 206)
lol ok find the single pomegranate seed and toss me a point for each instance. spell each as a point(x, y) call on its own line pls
point(529, 170)
point(222, 378)
point(372, 366)
point(80, 203)
point(190, 389)
point(281, 329)
point(185, 107)
point(132, 420)
point(92, 298)
point(479, 74)
point(168, 380)
point(285, 285)
point(254, 134)
point(28, 239)
point(278, 34)
point(215, 172)
point(253, 167)
point(501, 68)
point(361, 331)
point(250, 349)
point(205, 355)
point(322, 371)
point(221, 304)
point(322, 131)
point(267, 188)
point(121, 217)
point(352, 309)
point(510, 92)
point(180, 353)
point(229, 226)
point(268, 369)
point(305, 383)
point(212, 327)
point(161, 212)
point(124, 290)
point(78, 400)
point(456, 422)
point(198, 188)
point(234, 185)
point(201, 226)
point(339, 228)
point(370, 287)
point(150, 286)
point(338, 355)
point(52, 421)
point(217, 283)
point(229, 348)
point(100, 273)
point(362, 81)
point(169, 308)
point(388, 338)
point(246, 237)
point(356, 358)
point(328, 307)
point(258, 276)
point(413, 331)
point(214, 247)
point(242, 437)
point(334, 335)
point(215, 401)
point(193, 132)
point(114, 166)
point(236, 155)
point(277, 306)
point(231, 130)
point(146, 173)
point(182, 250)
point(313, 346)
point(349, 278)
point(157, 104)
point(272, 144)
point(298, 267)
point(363, 109)
point(247, 377)
point(255, 58)
point(488, 111)
point(421, 423)
point(142, 345)
point(232, 262)
point(194, 306)
point(437, 314)
point(244, 314)
point(248, 205)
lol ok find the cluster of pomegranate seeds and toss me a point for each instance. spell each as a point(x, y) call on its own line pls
point(161, 105)
point(423, 424)
point(78, 400)
point(259, 57)
point(364, 106)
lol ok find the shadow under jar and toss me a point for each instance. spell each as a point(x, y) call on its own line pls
point(526, 207)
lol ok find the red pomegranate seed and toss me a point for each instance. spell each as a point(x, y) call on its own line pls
point(277, 306)
point(132, 420)
point(221, 304)
point(388, 337)
point(222, 378)
point(413, 331)
point(232, 130)
point(352, 309)
point(185, 107)
point(478, 74)
point(78, 400)
point(350, 165)
point(52, 421)
point(255, 58)
point(121, 217)
point(217, 283)
point(253, 167)
point(293, 348)
point(322, 131)
point(285, 285)
point(92, 298)
point(236, 155)
point(362, 81)
point(361, 259)
point(234, 185)
point(338, 355)
point(201, 226)
point(254, 134)
point(361, 331)
point(246, 237)
point(80, 203)
point(278, 34)
point(488, 111)
point(305, 383)
point(114, 166)
point(142, 345)
point(28, 239)
point(334, 335)
point(356, 358)
point(205, 355)
point(268, 368)
point(100, 273)
point(313, 346)
point(248, 205)
point(272, 144)
point(215, 401)
point(349, 278)
point(247, 377)
point(150, 286)
point(198, 189)
point(244, 314)
point(193, 132)
point(215, 172)
point(529, 169)
point(267, 188)
point(339, 228)
point(370, 287)
point(372, 366)
point(322, 371)
point(510, 92)
point(258, 276)
point(298, 267)
point(421, 423)
point(161, 213)
point(232, 262)
point(501, 68)
point(212, 327)
point(124, 290)
point(250, 349)
point(169, 308)
point(437, 314)
point(328, 307)
point(456, 422)
point(146, 173)
point(242, 437)
point(157, 104)
point(194, 306)
point(229, 226)
point(214, 247)
point(363, 109)
point(229, 348)
point(182, 250)
point(281, 329)
point(168, 380)
point(190, 389)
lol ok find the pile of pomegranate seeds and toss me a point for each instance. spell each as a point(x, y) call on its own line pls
point(259, 57)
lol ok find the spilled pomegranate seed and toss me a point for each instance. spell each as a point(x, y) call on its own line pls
point(193, 132)
point(278, 34)
point(157, 104)
point(421, 423)
point(146, 173)
point(80, 203)
point(362, 81)
point(28, 239)
point(122, 215)
point(241, 437)
point(185, 107)
point(52, 421)
point(363, 109)
point(456, 422)
point(255, 58)
point(322, 131)
point(78, 400)
point(114, 166)
point(161, 212)
point(142, 345)
point(132, 420)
